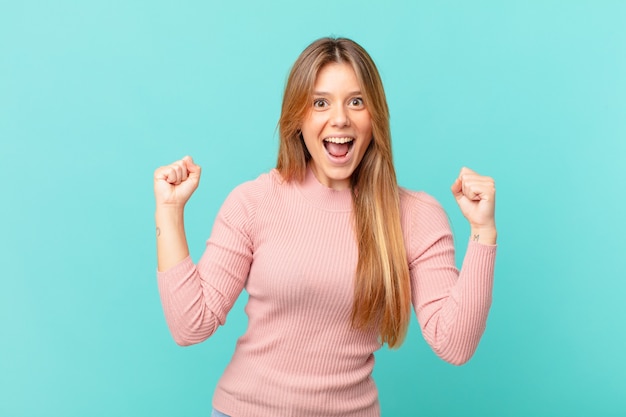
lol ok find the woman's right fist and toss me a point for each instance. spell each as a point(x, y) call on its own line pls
point(175, 183)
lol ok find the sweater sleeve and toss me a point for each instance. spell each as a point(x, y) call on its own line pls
point(197, 298)
point(451, 306)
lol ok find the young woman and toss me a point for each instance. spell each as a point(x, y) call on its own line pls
point(330, 250)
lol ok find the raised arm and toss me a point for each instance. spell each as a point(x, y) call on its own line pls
point(197, 297)
point(452, 306)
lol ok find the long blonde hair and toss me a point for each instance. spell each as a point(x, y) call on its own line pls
point(382, 295)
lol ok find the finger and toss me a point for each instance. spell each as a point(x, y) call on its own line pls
point(181, 167)
point(161, 173)
point(167, 173)
point(188, 160)
point(466, 175)
point(467, 171)
point(479, 188)
point(178, 171)
point(457, 188)
point(472, 191)
point(173, 175)
point(460, 184)
point(191, 167)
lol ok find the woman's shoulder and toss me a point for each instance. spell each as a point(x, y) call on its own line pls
point(259, 185)
point(252, 193)
point(253, 199)
point(410, 198)
point(420, 207)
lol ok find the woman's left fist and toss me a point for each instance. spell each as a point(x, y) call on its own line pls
point(476, 196)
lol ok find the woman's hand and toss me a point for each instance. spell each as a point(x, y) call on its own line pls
point(476, 196)
point(175, 183)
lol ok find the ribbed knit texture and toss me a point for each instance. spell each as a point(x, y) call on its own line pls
point(292, 247)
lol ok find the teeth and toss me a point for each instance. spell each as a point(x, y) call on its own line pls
point(339, 140)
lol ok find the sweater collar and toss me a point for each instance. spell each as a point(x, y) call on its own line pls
point(323, 197)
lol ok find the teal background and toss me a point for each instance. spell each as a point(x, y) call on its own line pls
point(94, 95)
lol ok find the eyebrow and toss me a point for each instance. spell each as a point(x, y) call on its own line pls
point(324, 93)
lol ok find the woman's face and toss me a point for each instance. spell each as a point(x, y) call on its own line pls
point(338, 127)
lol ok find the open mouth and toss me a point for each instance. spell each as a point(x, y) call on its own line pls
point(338, 146)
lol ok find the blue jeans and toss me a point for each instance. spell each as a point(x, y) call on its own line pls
point(216, 413)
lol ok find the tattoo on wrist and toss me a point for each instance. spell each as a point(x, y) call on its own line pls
point(158, 231)
point(476, 238)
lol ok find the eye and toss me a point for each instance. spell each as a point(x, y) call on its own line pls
point(357, 102)
point(320, 103)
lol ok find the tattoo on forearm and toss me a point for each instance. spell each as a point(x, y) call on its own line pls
point(158, 231)
point(476, 238)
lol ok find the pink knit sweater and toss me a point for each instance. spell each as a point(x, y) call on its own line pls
point(292, 247)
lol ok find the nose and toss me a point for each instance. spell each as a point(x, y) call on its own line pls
point(339, 117)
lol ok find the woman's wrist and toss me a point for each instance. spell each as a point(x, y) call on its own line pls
point(167, 209)
point(484, 235)
point(170, 236)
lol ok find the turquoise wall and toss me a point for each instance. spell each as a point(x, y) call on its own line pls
point(95, 95)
